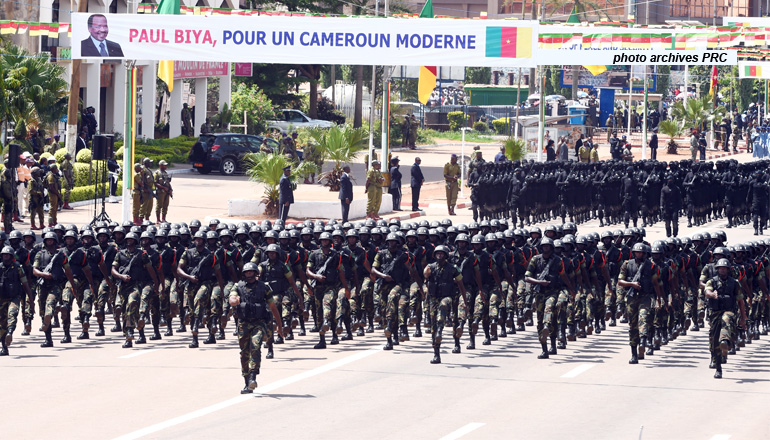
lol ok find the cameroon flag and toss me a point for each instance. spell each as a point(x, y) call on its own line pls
point(509, 42)
point(427, 81)
point(752, 72)
point(166, 68)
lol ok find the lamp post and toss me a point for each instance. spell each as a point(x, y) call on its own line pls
point(462, 164)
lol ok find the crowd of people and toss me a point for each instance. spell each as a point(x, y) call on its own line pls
point(354, 279)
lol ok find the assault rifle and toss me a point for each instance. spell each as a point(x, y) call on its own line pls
point(321, 271)
point(196, 271)
point(542, 276)
point(128, 268)
point(631, 292)
point(389, 269)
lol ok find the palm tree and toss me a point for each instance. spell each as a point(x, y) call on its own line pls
point(671, 129)
point(267, 168)
point(515, 148)
point(339, 144)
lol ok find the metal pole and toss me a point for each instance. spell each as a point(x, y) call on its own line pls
point(686, 84)
point(518, 104)
point(630, 92)
point(541, 122)
point(644, 123)
point(372, 98)
point(462, 165)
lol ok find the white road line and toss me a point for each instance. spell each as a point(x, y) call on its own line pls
point(245, 397)
point(138, 353)
point(575, 372)
point(462, 431)
point(721, 437)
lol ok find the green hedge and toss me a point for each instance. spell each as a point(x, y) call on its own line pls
point(456, 120)
point(80, 193)
point(481, 127)
point(59, 155)
point(501, 125)
point(171, 150)
point(84, 156)
point(82, 175)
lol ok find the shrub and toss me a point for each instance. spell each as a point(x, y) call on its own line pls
point(59, 155)
point(83, 156)
point(256, 104)
point(481, 127)
point(171, 150)
point(80, 193)
point(47, 156)
point(457, 120)
point(501, 125)
point(85, 174)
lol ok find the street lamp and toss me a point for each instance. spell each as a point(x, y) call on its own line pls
point(462, 164)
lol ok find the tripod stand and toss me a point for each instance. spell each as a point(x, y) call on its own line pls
point(101, 172)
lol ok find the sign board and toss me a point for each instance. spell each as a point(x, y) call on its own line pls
point(243, 69)
point(198, 69)
point(616, 77)
point(446, 73)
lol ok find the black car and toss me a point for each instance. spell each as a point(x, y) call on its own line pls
point(225, 151)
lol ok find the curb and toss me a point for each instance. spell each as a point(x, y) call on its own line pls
point(725, 154)
point(181, 171)
point(461, 205)
point(401, 217)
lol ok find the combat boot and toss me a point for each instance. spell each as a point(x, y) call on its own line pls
point(487, 340)
point(348, 331)
point(66, 339)
point(403, 334)
point(503, 332)
point(492, 330)
point(553, 345)
point(155, 334)
point(598, 326)
point(4, 348)
point(388, 344)
point(634, 358)
point(252, 380)
point(27, 327)
point(413, 318)
point(544, 353)
point(246, 389)
point(321, 343)
point(718, 373)
point(194, 343)
point(418, 330)
point(84, 334)
point(270, 353)
point(642, 346)
point(169, 328)
point(612, 323)
point(562, 337)
point(456, 348)
point(48, 339)
point(436, 356)
point(571, 336)
point(141, 339)
point(472, 344)
point(210, 339)
point(656, 341)
point(279, 338)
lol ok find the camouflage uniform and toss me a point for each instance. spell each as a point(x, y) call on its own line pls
point(148, 183)
point(36, 200)
point(198, 295)
point(54, 191)
point(11, 295)
point(443, 298)
point(546, 296)
point(68, 173)
point(722, 312)
point(639, 304)
point(252, 330)
point(394, 292)
point(129, 294)
point(162, 178)
point(326, 292)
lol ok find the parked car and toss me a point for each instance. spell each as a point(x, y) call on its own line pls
point(289, 119)
point(225, 151)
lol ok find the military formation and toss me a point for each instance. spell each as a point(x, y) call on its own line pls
point(619, 192)
point(488, 279)
point(148, 186)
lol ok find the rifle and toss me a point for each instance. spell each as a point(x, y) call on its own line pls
point(631, 293)
point(198, 269)
point(388, 270)
point(542, 276)
point(48, 269)
point(128, 268)
point(321, 271)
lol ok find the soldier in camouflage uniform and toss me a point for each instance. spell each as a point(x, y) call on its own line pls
point(149, 307)
point(53, 181)
point(13, 288)
point(444, 280)
point(230, 260)
point(279, 278)
point(344, 307)
point(251, 298)
point(162, 182)
point(148, 183)
point(324, 268)
point(393, 266)
point(68, 172)
point(81, 290)
point(127, 270)
point(724, 294)
point(641, 277)
point(52, 269)
point(36, 199)
point(107, 288)
point(102, 282)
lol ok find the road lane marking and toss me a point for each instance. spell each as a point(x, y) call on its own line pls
point(245, 397)
point(575, 372)
point(138, 353)
point(462, 431)
point(721, 437)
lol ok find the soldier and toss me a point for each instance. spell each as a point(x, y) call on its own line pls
point(393, 266)
point(405, 128)
point(164, 191)
point(324, 268)
point(670, 205)
point(147, 187)
point(52, 269)
point(451, 177)
point(641, 277)
point(199, 269)
point(251, 299)
point(758, 197)
point(107, 287)
point(629, 193)
point(149, 307)
point(36, 199)
point(81, 290)
point(7, 191)
point(723, 292)
point(137, 194)
point(13, 287)
point(230, 259)
point(278, 276)
point(444, 280)
point(127, 269)
point(68, 172)
point(373, 189)
point(545, 273)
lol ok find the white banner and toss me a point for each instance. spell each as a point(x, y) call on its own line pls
point(754, 69)
point(306, 40)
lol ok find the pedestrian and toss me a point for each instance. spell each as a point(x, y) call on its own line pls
point(285, 194)
point(413, 125)
point(346, 192)
point(723, 294)
point(373, 190)
point(164, 192)
point(252, 299)
point(416, 183)
point(395, 183)
point(550, 154)
point(654, 144)
point(500, 157)
point(451, 178)
point(693, 144)
point(80, 142)
point(562, 151)
point(53, 180)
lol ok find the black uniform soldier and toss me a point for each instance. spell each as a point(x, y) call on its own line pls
point(670, 204)
point(444, 280)
point(758, 198)
point(251, 299)
point(629, 193)
point(278, 276)
point(13, 287)
point(324, 267)
point(723, 293)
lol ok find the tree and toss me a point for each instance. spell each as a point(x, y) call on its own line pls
point(255, 103)
point(745, 95)
point(275, 82)
point(671, 129)
point(478, 75)
point(267, 168)
point(339, 144)
point(313, 74)
point(664, 80)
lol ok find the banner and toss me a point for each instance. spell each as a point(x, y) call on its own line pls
point(754, 70)
point(197, 69)
point(307, 40)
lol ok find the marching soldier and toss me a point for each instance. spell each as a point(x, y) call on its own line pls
point(444, 280)
point(323, 268)
point(147, 186)
point(128, 270)
point(6, 191)
point(13, 287)
point(164, 191)
point(723, 293)
point(52, 269)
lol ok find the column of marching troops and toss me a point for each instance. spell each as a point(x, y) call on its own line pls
point(619, 192)
point(354, 279)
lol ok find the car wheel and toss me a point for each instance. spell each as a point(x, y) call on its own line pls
point(204, 170)
point(227, 166)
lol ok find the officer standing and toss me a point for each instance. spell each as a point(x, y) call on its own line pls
point(54, 194)
point(451, 177)
point(346, 192)
point(395, 183)
point(654, 144)
point(68, 172)
point(285, 194)
point(147, 186)
point(416, 183)
point(164, 191)
point(373, 189)
point(12, 287)
point(251, 299)
point(723, 292)
point(136, 206)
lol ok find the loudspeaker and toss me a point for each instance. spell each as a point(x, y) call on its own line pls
point(101, 147)
point(14, 151)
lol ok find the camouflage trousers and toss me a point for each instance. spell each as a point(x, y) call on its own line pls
point(176, 297)
point(639, 310)
point(721, 326)
point(694, 303)
point(415, 301)
point(524, 296)
point(545, 304)
point(496, 301)
point(220, 305)
point(128, 299)
point(326, 304)
point(568, 309)
point(480, 303)
point(595, 303)
point(164, 299)
point(198, 299)
point(81, 293)
point(28, 306)
point(512, 296)
point(250, 337)
point(365, 298)
point(661, 313)
point(149, 302)
point(289, 304)
point(9, 312)
point(397, 304)
point(442, 310)
point(49, 297)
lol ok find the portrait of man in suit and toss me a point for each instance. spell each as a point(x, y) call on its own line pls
point(97, 44)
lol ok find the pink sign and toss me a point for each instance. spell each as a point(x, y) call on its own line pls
point(243, 69)
point(199, 69)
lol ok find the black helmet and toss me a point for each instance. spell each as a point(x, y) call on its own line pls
point(462, 237)
point(147, 234)
point(133, 236)
point(546, 241)
point(392, 237)
point(199, 234)
point(441, 248)
point(273, 248)
point(7, 250)
point(490, 237)
point(325, 236)
point(250, 267)
point(51, 235)
point(478, 238)
point(639, 247)
point(16, 235)
point(723, 262)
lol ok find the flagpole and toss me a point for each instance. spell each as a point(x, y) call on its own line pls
point(644, 117)
point(518, 104)
point(541, 123)
point(129, 137)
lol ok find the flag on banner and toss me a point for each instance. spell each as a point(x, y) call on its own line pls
point(6, 27)
point(509, 42)
point(752, 71)
point(166, 68)
point(596, 69)
point(713, 90)
point(427, 81)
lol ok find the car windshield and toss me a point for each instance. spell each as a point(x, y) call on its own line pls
point(207, 140)
point(294, 117)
